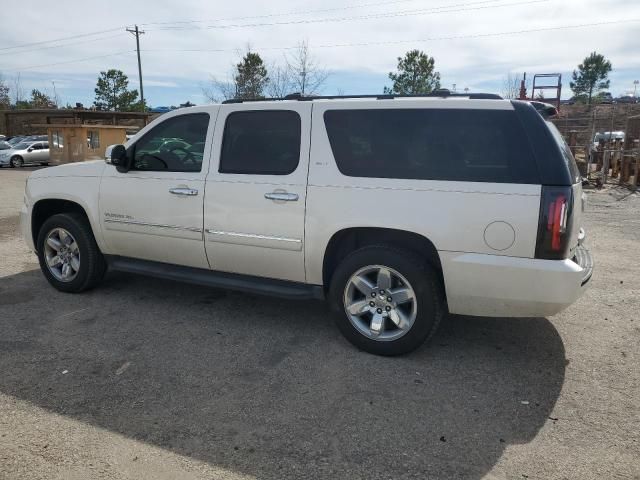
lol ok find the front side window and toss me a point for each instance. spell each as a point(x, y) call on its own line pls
point(36, 146)
point(431, 144)
point(175, 145)
point(261, 142)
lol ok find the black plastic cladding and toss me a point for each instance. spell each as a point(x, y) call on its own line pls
point(551, 164)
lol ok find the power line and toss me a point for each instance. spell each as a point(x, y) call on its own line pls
point(281, 14)
point(366, 17)
point(82, 35)
point(63, 45)
point(19, 69)
point(303, 12)
point(420, 40)
point(343, 45)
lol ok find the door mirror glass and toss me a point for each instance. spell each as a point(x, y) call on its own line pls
point(30, 149)
point(118, 157)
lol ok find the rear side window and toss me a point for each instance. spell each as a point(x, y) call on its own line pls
point(431, 144)
point(261, 142)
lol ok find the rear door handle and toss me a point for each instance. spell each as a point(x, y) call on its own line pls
point(190, 192)
point(282, 196)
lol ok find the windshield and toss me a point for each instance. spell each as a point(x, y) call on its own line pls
point(22, 146)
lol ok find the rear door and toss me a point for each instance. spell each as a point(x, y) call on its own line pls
point(256, 190)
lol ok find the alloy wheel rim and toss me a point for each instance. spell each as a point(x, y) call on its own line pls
point(380, 303)
point(62, 255)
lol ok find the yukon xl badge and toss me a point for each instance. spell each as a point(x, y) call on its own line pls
point(118, 216)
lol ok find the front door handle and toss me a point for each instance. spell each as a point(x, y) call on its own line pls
point(190, 192)
point(282, 196)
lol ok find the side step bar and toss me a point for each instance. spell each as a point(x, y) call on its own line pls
point(210, 278)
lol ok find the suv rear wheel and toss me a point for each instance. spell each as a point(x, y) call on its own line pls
point(68, 254)
point(388, 301)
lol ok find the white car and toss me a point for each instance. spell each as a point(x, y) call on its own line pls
point(396, 210)
point(27, 152)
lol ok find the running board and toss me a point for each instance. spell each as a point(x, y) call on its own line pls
point(211, 278)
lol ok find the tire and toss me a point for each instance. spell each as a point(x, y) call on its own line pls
point(427, 306)
point(16, 162)
point(44, 164)
point(91, 265)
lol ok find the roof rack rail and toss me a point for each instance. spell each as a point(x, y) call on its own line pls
point(442, 93)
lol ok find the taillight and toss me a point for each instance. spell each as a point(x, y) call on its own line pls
point(554, 224)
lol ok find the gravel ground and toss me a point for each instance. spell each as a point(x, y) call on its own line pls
point(148, 379)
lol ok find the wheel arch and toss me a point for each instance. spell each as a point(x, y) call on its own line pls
point(347, 240)
point(48, 207)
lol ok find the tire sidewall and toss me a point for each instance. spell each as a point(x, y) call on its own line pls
point(16, 162)
point(74, 227)
point(423, 280)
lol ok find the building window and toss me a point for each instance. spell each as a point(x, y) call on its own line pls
point(57, 139)
point(93, 139)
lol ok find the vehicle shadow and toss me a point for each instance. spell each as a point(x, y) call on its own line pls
point(268, 387)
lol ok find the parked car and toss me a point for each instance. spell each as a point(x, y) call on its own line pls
point(603, 137)
point(395, 210)
point(4, 145)
point(15, 140)
point(25, 153)
point(626, 99)
point(605, 98)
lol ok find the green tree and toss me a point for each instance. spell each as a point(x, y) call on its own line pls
point(112, 92)
point(251, 77)
point(415, 75)
point(41, 100)
point(591, 76)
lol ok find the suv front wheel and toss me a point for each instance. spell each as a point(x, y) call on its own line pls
point(387, 300)
point(69, 256)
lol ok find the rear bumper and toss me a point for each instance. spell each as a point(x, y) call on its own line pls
point(499, 286)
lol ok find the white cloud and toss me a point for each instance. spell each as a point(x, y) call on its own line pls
point(173, 58)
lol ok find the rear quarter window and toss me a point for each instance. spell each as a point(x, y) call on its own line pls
point(431, 144)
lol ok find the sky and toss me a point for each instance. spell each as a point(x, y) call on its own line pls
point(61, 48)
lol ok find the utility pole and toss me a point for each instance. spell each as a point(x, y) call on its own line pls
point(137, 34)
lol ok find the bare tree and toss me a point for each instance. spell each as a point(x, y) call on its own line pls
point(280, 82)
point(18, 91)
point(306, 75)
point(217, 90)
point(511, 85)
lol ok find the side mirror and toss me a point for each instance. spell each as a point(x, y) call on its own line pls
point(29, 149)
point(116, 155)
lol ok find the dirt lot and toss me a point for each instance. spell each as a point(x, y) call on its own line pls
point(144, 378)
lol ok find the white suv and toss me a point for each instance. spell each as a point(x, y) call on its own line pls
point(397, 210)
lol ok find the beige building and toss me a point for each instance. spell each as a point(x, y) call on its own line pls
point(70, 143)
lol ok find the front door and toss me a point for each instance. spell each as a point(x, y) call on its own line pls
point(154, 211)
point(256, 190)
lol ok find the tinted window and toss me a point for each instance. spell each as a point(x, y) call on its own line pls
point(263, 142)
point(431, 144)
point(566, 152)
point(37, 146)
point(175, 145)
